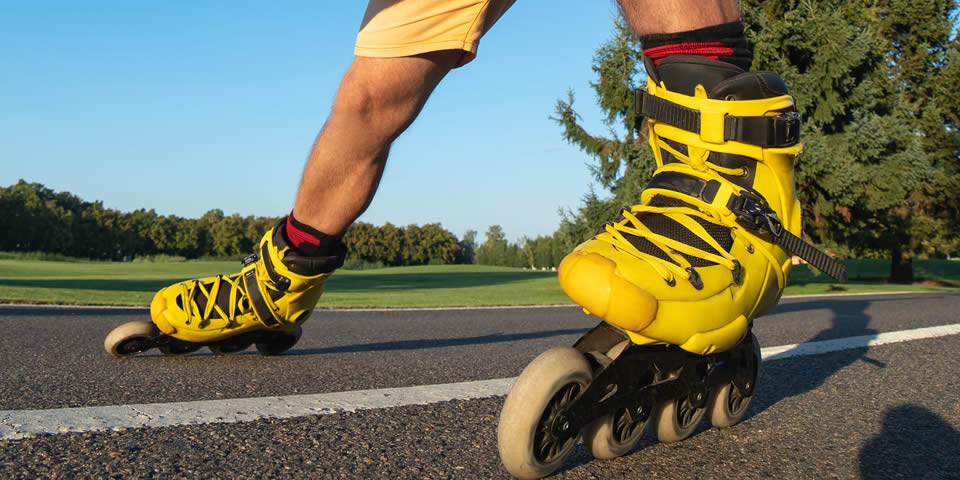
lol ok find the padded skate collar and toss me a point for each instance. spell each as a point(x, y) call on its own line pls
point(765, 131)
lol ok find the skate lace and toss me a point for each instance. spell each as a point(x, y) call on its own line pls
point(680, 267)
point(237, 300)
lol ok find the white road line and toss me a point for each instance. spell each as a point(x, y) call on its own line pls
point(17, 424)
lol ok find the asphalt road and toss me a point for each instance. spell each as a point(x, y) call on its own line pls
point(890, 411)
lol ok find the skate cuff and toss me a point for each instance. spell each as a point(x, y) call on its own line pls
point(717, 126)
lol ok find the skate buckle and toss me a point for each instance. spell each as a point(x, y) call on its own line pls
point(754, 214)
point(774, 225)
point(785, 131)
point(252, 258)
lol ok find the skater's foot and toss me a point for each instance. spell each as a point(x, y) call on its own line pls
point(684, 266)
point(277, 288)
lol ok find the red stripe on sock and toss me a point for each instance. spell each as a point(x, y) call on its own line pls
point(298, 237)
point(713, 50)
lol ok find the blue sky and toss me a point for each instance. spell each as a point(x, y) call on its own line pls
point(186, 106)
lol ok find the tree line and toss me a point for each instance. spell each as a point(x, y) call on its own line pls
point(34, 218)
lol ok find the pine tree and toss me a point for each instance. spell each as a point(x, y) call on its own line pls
point(876, 83)
point(624, 162)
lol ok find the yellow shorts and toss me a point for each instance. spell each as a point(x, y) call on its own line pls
point(401, 28)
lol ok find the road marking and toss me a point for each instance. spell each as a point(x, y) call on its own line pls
point(17, 424)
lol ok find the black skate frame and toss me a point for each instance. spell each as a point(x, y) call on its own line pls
point(644, 376)
point(232, 344)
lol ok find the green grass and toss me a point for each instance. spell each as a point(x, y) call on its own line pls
point(870, 275)
point(66, 281)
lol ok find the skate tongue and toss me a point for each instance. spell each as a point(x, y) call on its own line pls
point(663, 225)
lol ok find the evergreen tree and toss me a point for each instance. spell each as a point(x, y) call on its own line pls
point(493, 251)
point(468, 247)
point(624, 162)
point(876, 83)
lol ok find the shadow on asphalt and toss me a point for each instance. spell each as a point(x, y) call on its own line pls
point(914, 443)
point(786, 378)
point(436, 342)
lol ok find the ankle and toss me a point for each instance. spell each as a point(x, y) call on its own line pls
point(309, 241)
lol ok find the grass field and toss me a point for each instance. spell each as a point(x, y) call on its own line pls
point(108, 283)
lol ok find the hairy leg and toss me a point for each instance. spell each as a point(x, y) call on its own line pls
point(648, 17)
point(377, 100)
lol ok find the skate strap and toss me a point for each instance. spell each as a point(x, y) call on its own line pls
point(753, 214)
point(260, 307)
point(765, 131)
point(696, 187)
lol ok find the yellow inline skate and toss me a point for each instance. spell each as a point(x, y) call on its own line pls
point(677, 279)
point(264, 304)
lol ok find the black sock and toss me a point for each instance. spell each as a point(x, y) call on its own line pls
point(310, 241)
point(724, 42)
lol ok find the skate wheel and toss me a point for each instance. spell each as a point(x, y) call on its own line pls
point(528, 448)
point(130, 338)
point(229, 346)
point(727, 406)
point(615, 434)
point(677, 419)
point(280, 341)
point(175, 347)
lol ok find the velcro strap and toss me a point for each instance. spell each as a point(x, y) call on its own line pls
point(260, 307)
point(696, 187)
point(781, 130)
point(652, 106)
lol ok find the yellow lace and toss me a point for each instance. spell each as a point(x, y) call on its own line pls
point(680, 267)
point(237, 295)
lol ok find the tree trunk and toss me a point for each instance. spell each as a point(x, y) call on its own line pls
point(901, 266)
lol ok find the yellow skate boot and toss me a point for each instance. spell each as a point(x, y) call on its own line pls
point(708, 248)
point(265, 304)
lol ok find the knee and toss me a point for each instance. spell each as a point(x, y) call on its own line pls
point(357, 98)
point(381, 105)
